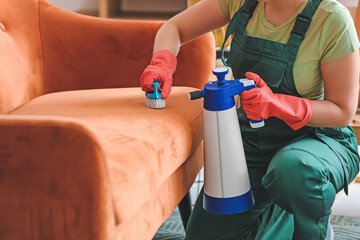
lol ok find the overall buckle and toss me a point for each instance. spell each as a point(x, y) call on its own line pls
point(249, 7)
point(301, 25)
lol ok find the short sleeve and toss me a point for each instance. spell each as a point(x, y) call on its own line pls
point(230, 7)
point(339, 37)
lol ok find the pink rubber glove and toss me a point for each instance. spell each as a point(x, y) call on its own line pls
point(161, 68)
point(261, 103)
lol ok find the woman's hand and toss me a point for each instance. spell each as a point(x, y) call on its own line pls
point(261, 103)
point(161, 69)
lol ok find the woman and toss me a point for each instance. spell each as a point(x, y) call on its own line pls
point(304, 57)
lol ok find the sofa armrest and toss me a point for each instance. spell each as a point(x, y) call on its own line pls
point(82, 52)
point(52, 171)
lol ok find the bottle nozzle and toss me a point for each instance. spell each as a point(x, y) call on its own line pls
point(220, 73)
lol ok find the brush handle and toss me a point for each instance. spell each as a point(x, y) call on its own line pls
point(156, 94)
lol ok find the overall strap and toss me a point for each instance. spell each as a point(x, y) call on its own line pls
point(239, 21)
point(301, 26)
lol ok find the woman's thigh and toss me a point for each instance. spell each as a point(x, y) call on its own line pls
point(304, 161)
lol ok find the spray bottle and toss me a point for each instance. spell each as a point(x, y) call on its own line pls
point(227, 187)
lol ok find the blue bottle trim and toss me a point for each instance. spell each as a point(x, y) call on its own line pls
point(219, 95)
point(228, 205)
point(256, 121)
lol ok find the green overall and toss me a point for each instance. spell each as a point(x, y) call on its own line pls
point(294, 175)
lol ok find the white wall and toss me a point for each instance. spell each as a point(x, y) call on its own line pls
point(76, 5)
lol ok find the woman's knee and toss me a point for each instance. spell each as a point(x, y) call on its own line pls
point(295, 175)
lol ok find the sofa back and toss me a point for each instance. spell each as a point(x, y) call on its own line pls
point(82, 52)
point(47, 49)
point(20, 53)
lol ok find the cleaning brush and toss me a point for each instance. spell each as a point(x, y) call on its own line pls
point(153, 99)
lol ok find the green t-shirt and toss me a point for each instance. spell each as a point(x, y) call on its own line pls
point(331, 36)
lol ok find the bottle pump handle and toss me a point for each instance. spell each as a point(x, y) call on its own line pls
point(220, 73)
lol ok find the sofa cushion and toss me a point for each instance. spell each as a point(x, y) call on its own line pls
point(142, 146)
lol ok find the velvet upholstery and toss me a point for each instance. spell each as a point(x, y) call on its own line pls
point(81, 156)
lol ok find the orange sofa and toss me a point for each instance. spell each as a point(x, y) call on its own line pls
point(81, 156)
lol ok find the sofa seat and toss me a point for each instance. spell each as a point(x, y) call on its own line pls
point(138, 166)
